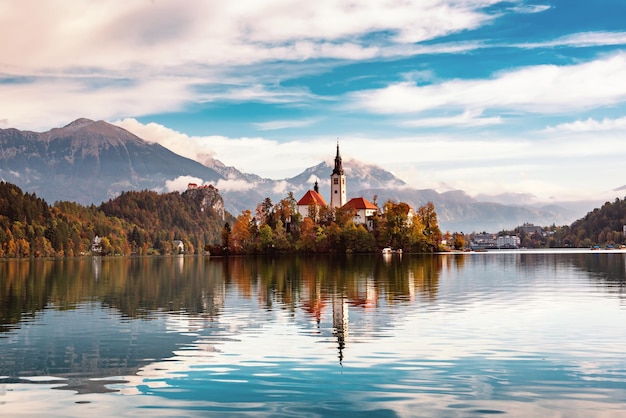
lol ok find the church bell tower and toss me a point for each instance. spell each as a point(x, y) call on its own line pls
point(337, 184)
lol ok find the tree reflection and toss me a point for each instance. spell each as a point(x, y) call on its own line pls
point(337, 298)
point(197, 285)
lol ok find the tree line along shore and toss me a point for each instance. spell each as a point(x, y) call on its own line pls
point(151, 223)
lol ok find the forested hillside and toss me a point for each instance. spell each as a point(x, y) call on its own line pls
point(136, 222)
point(159, 219)
point(601, 226)
point(147, 222)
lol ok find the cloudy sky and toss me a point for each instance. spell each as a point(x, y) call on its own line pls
point(487, 96)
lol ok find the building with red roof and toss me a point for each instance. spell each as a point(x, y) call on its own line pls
point(312, 200)
point(364, 210)
point(311, 203)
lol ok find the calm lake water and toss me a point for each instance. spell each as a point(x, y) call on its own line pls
point(454, 335)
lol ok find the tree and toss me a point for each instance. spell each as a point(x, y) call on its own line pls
point(286, 211)
point(226, 236)
point(308, 235)
point(265, 213)
point(266, 239)
point(458, 241)
point(344, 215)
point(428, 217)
point(241, 236)
point(395, 224)
point(281, 237)
point(106, 246)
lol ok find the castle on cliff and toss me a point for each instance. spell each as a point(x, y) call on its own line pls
point(207, 197)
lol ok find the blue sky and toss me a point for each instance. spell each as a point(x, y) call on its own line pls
point(485, 96)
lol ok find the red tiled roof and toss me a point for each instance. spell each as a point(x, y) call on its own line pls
point(312, 198)
point(359, 203)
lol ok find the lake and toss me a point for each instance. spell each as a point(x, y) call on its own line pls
point(518, 333)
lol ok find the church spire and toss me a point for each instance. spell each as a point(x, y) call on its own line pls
point(337, 184)
point(338, 166)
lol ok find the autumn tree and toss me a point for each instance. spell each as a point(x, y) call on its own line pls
point(344, 215)
point(458, 241)
point(308, 235)
point(265, 213)
point(428, 217)
point(395, 225)
point(241, 238)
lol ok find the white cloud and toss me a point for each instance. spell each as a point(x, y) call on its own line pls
point(581, 40)
point(469, 118)
point(312, 179)
point(255, 93)
point(50, 102)
point(530, 8)
point(110, 60)
point(195, 148)
point(179, 184)
point(113, 59)
point(234, 184)
point(284, 124)
point(590, 125)
point(270, 158)
point(281, 187)
point(132, 37)
point(534, 89)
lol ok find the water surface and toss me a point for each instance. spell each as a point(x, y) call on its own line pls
point(477, 334)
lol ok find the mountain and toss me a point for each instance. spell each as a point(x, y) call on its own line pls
point(93, 161)
point(455, 209)
point(90, 162)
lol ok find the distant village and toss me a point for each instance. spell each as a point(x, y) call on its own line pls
point(489, 241)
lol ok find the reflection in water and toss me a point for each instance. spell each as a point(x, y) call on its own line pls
point(453, 334)
point(144, 288)
point(340, 322)
point(97, 266)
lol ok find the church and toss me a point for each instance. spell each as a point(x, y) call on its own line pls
point(312, 200)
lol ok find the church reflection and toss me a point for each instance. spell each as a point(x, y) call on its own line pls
point(340, 322)
point(144, 292)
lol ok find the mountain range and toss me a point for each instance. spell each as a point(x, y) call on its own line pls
point(93, 161)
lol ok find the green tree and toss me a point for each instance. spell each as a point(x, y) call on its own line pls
point(266, 239)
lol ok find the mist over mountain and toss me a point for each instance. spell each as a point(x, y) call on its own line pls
point(93, 161)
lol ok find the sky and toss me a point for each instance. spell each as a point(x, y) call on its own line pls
point(485, 96)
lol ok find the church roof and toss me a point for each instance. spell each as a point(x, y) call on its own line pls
point(359, 203)
point(338, 166)
point(312, 198)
